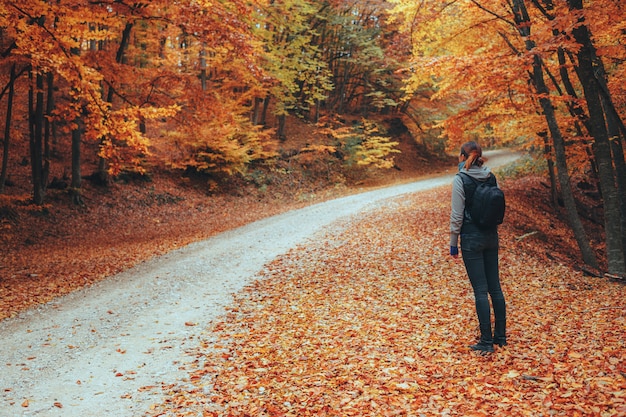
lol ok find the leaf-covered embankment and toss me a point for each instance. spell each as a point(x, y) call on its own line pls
point(374, 319)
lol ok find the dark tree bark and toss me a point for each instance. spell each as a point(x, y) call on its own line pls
point(602, 147)
point(280, 132)
point(76, 165)
point(266, 105)
point(547, 150)
point(522, 20)
point(47, 126)
point(36, 122)
point(620, 169)
point(7, 130)
point(203, 74)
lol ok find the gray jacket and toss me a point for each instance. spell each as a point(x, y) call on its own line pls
point(458, 199)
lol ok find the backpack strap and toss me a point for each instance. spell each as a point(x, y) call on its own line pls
point(469, 185)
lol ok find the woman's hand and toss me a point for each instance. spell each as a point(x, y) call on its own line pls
point(454, 251)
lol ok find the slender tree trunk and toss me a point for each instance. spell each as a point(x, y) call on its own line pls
point(547, 150)
point(562, 170)
point(119, 57)
point(616, 132)
point(256, 111)
point(522, 19)
point(280, 132)
point(266, 105)
point(203, 75)
point(76, 166)
point(77, 179)
point(602, 148)
point(574, 107)
point(316, 116)
point(36, 138)
point(7, 131)
point(47, 127)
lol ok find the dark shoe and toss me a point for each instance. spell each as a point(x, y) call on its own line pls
point(482, 347)
point(500, 342)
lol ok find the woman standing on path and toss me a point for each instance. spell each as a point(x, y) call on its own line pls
point(479, 248)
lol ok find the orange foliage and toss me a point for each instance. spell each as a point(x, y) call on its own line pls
point(117, 66)
point(472, 56)
point(374, 319)
point(51, 250)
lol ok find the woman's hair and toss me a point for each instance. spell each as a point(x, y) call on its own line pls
point(473, 154)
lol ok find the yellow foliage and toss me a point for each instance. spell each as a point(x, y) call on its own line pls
point(471, 54)
point(375, 148)
point(219, 138)
point(364, 143)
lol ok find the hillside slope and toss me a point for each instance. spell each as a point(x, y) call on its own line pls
point(53, 250)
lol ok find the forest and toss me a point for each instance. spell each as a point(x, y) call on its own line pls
point(113, 90)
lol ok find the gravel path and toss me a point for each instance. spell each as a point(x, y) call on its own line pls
point(107, 349)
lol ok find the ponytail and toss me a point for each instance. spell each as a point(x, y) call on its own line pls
point(473, 154)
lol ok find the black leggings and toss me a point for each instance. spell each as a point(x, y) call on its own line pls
point(480, 256)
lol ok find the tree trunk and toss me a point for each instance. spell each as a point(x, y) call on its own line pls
point(7, 131)
point(280, 132)
point(47, 127)
point(256, 111)
point(575, 108)
point(547, 150)
point(602, 148)
point(316, 109)
point(616, 132)
point(523, 23)
point(119, 57)
point(580, 234)
point(266, 105)
point(76, 171)
point(36, 138)
point(620, 170)
point(203, 75)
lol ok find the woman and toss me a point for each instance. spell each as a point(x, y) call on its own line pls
point(479, 248)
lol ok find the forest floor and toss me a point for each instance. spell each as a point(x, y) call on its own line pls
point(343, 324)
point(374, 318)
point(52, 250)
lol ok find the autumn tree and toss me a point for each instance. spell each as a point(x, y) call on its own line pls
point(482, 58)
point(216, 81)
point(362, 57)
point(298, 77)
point(116, 65)
point(328, 56)
point(47, 38)
point(7, 127)
point(524, 25)
point(600, 111)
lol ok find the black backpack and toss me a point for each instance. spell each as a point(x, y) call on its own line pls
point(485, 204)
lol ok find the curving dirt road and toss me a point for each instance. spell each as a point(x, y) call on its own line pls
point(106, 350)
